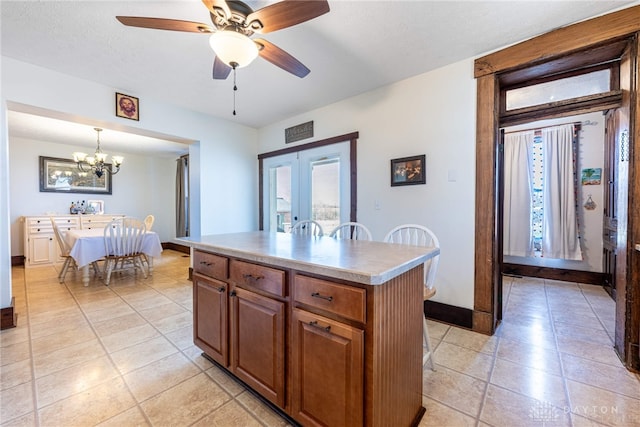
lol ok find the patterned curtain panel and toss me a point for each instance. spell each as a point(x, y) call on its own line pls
point(560, 232)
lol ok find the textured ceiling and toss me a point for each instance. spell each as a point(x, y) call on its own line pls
point(357, 47)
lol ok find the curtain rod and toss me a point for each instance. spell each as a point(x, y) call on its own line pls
point(577, 124)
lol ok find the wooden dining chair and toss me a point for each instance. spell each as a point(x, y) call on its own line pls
point(418, 235)
point(123, 244)
point(307, 227)
point(148, 222)
point(351, 230)
point(65, 251)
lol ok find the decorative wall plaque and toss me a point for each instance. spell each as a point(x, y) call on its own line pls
point(298, 132)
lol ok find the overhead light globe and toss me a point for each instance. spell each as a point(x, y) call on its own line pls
point(233, 47)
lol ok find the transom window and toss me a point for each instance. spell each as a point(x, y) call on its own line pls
point(587, 84)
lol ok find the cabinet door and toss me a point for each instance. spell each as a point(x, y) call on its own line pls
point(328, 373)
point(42, 249)
point(210, 324)
point(258, 347)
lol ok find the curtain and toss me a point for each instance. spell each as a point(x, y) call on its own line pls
point(560, 235)
point(182, 194)
point(518, 239)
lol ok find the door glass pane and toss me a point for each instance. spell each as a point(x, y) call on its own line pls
point(280, 198)
point(325, 192)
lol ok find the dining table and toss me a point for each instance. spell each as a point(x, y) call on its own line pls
point(87, 246)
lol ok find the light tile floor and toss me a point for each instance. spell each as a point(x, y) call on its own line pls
point(123, 355)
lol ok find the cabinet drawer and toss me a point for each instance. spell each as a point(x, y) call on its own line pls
point(41, 229)
point(98, 221)
point(258, 277)
point(343, 300)
point(38, 222)
point(210, 265)
point(65, 224)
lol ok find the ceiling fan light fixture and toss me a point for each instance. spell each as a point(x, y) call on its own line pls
point(233, 47)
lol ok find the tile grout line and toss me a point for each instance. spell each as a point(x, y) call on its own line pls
point(559, 355)
point(505, 304)
point(120, 375)
point(179, 351)
point(595, 313)
point(34, 392)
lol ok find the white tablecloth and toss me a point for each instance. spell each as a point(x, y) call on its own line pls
point(88, 245)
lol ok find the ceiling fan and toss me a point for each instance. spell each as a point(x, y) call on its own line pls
point(234, 23)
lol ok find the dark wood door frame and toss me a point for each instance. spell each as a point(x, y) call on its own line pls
point(561, 50)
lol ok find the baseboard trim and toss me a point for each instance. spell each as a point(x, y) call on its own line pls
point(586, 277)
point(176, 247)
point(8, 316)
point(451, 314)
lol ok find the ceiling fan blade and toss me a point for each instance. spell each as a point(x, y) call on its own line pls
point(218, 8)
point(282, 59)
point(165, 24)
point(220, 69)
point(285, 14)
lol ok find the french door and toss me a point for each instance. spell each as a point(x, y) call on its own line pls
point(309, 184)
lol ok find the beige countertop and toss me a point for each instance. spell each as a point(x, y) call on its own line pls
point(370, 263)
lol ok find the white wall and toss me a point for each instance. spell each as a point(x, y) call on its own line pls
point(152, 193)
point(590, 155)
point(224, 159)
point(432, 114)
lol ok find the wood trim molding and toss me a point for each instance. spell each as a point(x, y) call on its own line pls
point(176, 247)
point(8, 316)
point(561, 41)
point(328, 141)
point(451, 314)
point(485, 211)
point(633, 236)
point(483, 322)
point(586, 277)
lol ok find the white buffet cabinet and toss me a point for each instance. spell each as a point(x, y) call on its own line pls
point(40, 245)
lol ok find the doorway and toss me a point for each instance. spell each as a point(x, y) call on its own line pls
point(310, 184)
point(526, 250)
point(560, 51)
point(290, 174)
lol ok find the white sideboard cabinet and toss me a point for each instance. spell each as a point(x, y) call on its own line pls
point(40, 245)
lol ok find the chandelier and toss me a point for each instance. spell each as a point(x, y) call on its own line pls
point(96, 163)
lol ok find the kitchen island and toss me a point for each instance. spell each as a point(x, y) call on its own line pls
point(329, 331)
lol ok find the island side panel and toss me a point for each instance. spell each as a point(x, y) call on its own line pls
point(394, 351)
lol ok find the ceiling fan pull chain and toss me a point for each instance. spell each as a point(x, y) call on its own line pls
point(235, 87)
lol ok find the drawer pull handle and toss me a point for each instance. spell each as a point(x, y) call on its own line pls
point(220, 289)
point(208, 264)
point(233, 294)
point(252, 277)
point(317, 295)
point(314, 323)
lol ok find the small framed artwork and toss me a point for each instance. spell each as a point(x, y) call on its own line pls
point(63, 176)
point(591, 176)
point(95, 207)
point(408, 171)
point(127, 106)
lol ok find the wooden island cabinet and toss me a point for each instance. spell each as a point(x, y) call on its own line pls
point(329, 331)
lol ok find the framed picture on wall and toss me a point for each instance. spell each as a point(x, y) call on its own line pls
point(591, 176)
point(408, 171)
point(127, 106)
point(63, 176)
